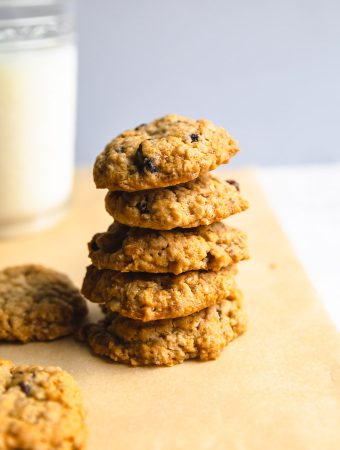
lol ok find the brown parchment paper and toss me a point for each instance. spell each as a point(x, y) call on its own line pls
point(276, 387)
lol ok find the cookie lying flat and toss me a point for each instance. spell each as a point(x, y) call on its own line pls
point(148, 297)
point(167, 342)
point(38, 304)
point(40, 408)
point(128, 249)
point(200, 202)
point(165, 152)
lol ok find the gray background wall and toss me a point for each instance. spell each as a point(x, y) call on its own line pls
point(268, 71)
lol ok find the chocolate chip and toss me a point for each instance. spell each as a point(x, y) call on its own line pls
point(142, 125)
point(219, 312)
point(234, 183)
point(139, 158)
point(120, 150)
point(210, 257)
point(142, 162)
point(167, 282)
point(194, 137)
point(143, 207)
point(93, 246)
point(26, 388)
point(149, 165)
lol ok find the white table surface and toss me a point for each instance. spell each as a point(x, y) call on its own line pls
point(306, 200)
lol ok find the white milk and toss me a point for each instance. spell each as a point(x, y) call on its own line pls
point(37, 134)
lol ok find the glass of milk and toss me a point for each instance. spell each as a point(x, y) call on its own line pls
point(38, 77)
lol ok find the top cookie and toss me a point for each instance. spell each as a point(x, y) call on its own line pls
point(38, 304)
point(40, 409)
point(165, 152)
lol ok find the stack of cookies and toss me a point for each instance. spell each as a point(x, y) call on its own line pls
point(164, 270)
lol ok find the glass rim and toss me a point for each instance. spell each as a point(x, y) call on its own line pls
point(32, 20)
point(27, 24)
point(11, 3)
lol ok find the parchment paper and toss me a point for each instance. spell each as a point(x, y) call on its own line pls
point(276, 387)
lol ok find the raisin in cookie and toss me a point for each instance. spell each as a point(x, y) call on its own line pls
point(40, 408)
point(167, 151)
point(38, 304)
point(148, 297)
point(209, 247)
point(200, 202)
point(201, 335)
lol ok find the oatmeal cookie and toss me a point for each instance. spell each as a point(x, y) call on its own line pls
point(148, 297)
point(201, 335)
point(167, 151)
point(209, 247)
point(38, 304)
point(40, 408)
point(200, 202)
